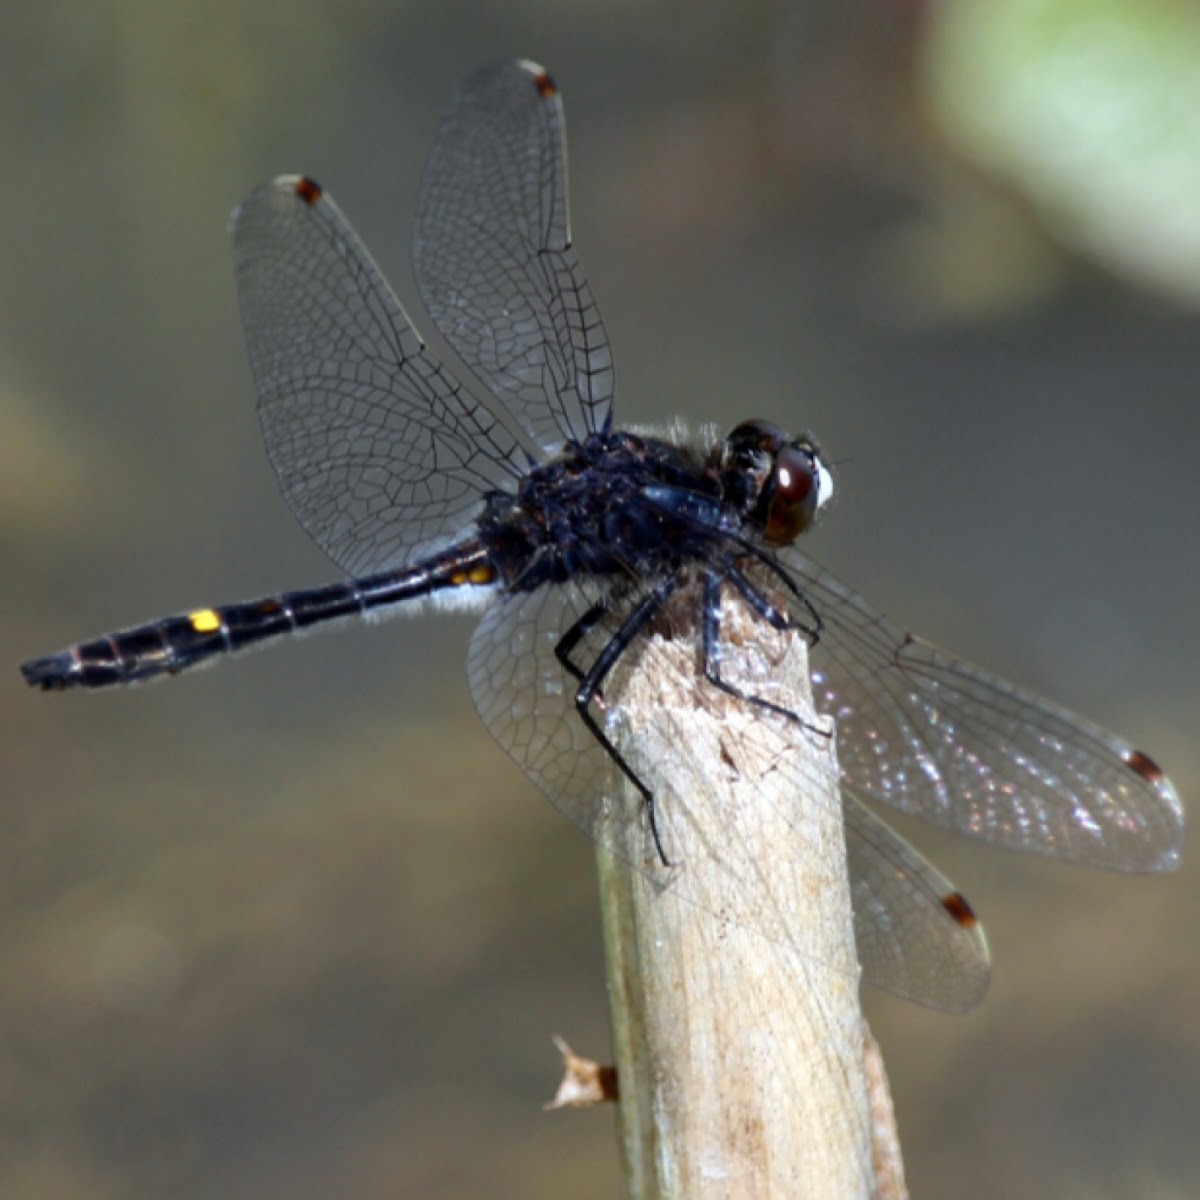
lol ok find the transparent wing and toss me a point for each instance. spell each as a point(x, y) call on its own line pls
point(379, 451)
point(931, 735)
point(494, 261)
point(526, 698)
point(915, 934)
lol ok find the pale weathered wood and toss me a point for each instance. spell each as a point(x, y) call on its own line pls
point(887, 1164)
point(739, 1052)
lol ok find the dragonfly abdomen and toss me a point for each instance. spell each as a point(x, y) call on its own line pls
point(174, 644)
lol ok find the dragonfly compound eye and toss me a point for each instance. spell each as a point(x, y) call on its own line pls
point(791, 495)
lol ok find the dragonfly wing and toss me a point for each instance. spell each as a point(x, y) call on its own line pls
point(526, 698)
point(379, 451)
point(934, 736)
point(916, 935)
point(494, 260)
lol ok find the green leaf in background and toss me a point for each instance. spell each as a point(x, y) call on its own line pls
point(1091, 109)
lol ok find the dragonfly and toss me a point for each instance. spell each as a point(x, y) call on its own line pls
point(577, 540)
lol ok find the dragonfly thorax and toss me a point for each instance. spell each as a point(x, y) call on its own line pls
point(609, 505)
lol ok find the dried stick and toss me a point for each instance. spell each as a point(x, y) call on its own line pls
point(732, 975)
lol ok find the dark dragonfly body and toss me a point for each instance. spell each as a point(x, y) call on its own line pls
point(615, 505)
point(577, 540)
point(173, 644)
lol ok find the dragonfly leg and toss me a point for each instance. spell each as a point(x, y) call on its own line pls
point(711, 639)
point(591, 680)
point(574, 635)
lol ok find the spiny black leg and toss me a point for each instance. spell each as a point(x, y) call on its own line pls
point(575, 635)
point(769, 613)
point(590, 682)
point(710, 624)
point(755, 597)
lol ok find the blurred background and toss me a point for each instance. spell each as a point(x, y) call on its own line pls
point(296, 926)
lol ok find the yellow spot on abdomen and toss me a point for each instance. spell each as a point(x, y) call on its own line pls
point(479, 574)
point(205, 620)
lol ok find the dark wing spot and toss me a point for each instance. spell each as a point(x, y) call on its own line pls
point(546, 87)
point(955, 903)
point(1143, 765)
point(309, 190)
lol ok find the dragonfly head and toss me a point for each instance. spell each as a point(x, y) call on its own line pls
point(777, 483)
